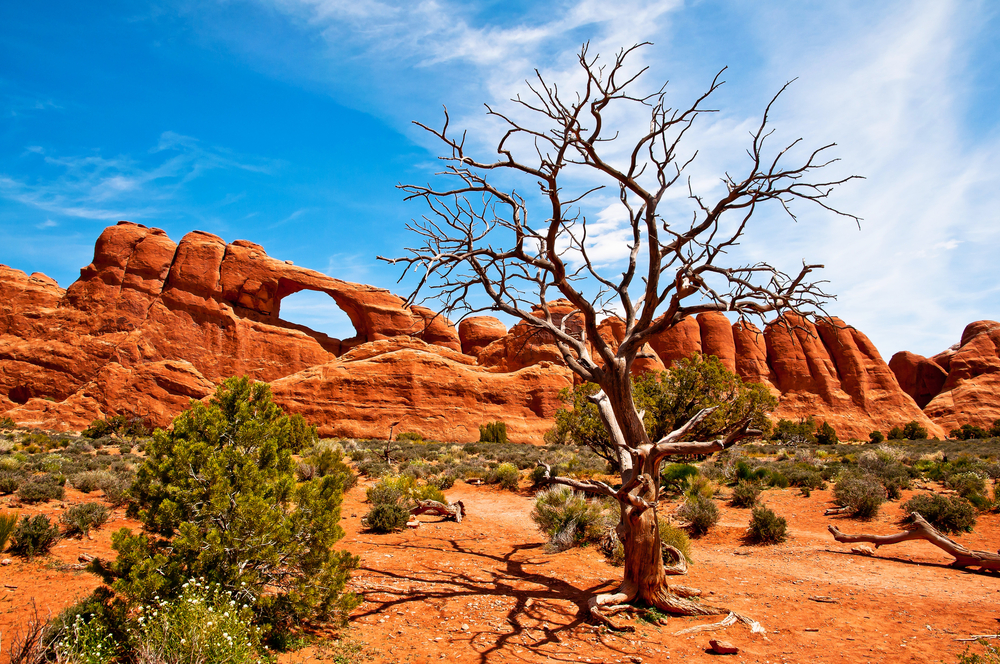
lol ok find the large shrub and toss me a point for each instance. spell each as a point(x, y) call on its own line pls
point(795, 433)
point(33, 536)
point(701, 512)
point(569, 518)
point(949, 514)
point(493, 432)
point(826, 434)
point(766, 527)
point(218, 500)
point(862, 494)
point(913, 431)
point(79, 519)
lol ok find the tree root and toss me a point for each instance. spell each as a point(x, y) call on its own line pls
point(675, 602)
point(680, 565)
point(603, 606)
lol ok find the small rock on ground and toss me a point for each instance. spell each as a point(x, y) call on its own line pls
point(723, 647)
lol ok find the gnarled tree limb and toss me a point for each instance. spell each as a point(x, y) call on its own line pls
point(922, 530)
point(454, 511)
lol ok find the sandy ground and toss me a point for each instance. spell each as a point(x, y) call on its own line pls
point(485, 590)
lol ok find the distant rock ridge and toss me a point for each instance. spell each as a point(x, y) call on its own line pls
point(151, 324)
point(960, 385)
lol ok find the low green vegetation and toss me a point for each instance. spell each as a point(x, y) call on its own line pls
point(79, 519)
point(949, 514)
point(766, 527)
point(701, 512)
point(33, 536)
point(493, 432)
point(570, 518)
point(8, 521)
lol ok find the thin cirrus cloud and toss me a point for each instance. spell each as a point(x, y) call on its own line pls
point(125, 186)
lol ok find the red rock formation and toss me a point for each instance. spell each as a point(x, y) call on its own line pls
point(525, 345)
point(751, 356)
point(680, 341)
point(435, 392)
point(717, 338)
point(150, 324)
point(918, 376)
point(478, 332)
point(612, 330)
point(833, 372)
point(971, 393)
point(434, 328)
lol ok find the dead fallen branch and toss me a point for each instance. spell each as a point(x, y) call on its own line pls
point(731, 619)
point(923, 530)
point(454, 511)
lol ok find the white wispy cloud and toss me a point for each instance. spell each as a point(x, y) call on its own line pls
point(124, 186)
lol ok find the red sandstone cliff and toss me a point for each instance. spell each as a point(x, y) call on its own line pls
point(151, 324)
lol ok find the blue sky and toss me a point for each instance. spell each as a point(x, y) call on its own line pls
point(287, 122)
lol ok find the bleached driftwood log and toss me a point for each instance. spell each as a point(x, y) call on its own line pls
point(454, 511)
point(922, 530)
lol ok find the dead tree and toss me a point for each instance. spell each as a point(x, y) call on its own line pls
point(984, 560)
point(477, 237)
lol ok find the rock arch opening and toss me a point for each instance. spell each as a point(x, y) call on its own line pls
point(317, 314)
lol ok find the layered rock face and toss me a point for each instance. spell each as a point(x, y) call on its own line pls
point(960, 385)
point(152, 323)
point(440, 393)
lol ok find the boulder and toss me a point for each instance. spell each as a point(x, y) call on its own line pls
point(918, 376)
point(478, 332)
point(678, 342)
point(971, 392)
